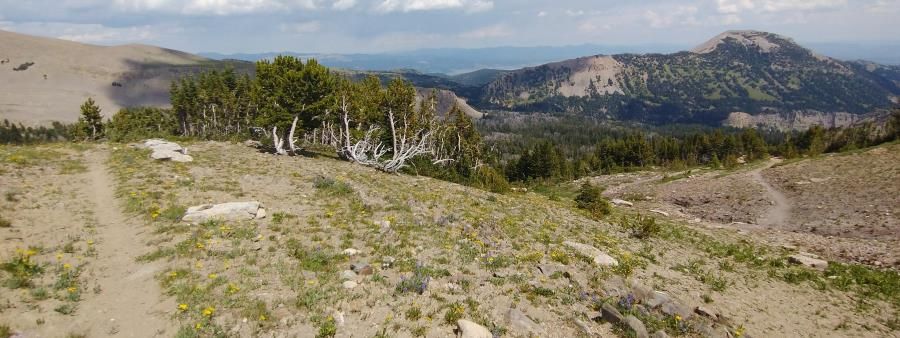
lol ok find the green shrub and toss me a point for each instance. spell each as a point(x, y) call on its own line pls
point(134, 124)
point(640, 226)
point(332, 186)
point(590, 198)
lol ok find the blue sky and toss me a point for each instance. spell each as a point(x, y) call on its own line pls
point(346, 26)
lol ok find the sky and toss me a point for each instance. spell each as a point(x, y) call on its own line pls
point(368, 26)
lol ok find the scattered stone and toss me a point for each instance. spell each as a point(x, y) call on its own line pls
point(167, 151)
point(232, 211)
point(703, 311)
point(636, 325)
point(814, 263)
point(387, 262)
point(520, 323)
point(453, 287)
point(350, 252)
point(641, 293)
point(362, 269)
point(468, 329)
point(660, 334)
point(660, 212)
point(615, 287)
point(609, 314)
point(338, 318)
point(599, 257)
point(348, 275)
point(620, 202)
point(350, 284)
point(674, 308)
point(585, 328)
point(261, 213)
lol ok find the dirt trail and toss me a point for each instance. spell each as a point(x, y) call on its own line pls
point(129, 303)
point(780, 212)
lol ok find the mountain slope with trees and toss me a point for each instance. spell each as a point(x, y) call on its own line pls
point(738, 71)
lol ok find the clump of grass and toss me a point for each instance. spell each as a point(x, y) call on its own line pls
point(21, 269)
point(173, 213)
point(5, 331)
point(4, 223)
point(316, 260)
point(419, 280)
point(454, 313)
point(641, 227)
point(695, 268)
point(328, 328)
point(414, 313)
point(333, 187)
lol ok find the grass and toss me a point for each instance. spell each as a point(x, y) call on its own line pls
point(332, 187)
point(4, 223)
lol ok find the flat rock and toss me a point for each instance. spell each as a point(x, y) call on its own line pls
point(610, 314)
point(362, 268)
point(660, 334)
point(469, 329)
point(520, 323)
point(660, 212)
point(621, 202)
point(674, 308)
point(348, 275)
point(703, 311)
point(636, 325)
point(811, 262)
point(349, 284)
point(232, 211)
point(167, 151)
point(657, 299)
point(350, 252)
point(599, 257)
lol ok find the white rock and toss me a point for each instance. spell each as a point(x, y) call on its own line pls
point(261, 213)
point(349, 284)
point(468, 329)
point(351, 252)
point(617, 201)
point(232, 211)
point(599, 257)
point(165, 150)
point(814, 263)
point(660, 212)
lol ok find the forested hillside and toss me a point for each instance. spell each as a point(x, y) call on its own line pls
point(749, 72)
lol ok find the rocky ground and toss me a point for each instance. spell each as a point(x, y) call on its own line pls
point(342, 250)
point(840, 206)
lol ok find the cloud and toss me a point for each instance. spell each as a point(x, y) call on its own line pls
point(494, 31)
point(89, 33)
point(570, 12)
point(214, 7)
point(739, 6)
point(301, 27)
point(684, 15)
point(343, 4)
point(542, 14)
point(387, 6)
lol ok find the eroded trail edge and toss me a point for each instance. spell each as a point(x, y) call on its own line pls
point(129, 303)
point(780, 212)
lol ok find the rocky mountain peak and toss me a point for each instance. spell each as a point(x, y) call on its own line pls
point(763, 41)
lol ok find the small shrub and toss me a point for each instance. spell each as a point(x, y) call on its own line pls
point(4, 223)
point(641, 226)
point(328, 328)
point(454, 313)
point(414, 313)
point(332, 186)
point(21, 269)
point(590, 198)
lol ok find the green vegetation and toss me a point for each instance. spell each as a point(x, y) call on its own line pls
point(90, 124)
point(590, 198)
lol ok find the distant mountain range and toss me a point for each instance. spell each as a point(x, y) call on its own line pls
point(455, 61)
point(735, 72)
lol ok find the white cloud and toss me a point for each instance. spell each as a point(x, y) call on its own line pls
point(684, 15)
point(570, 12)
point(301, 27)
point(494, 31)
point(739, 6)
point(343, 4)
point(215, 7)
point(542, 14)
point(387, 6)
point(89, 33)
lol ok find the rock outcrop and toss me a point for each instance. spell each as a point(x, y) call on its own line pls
point(232, 211)
point(167, 151)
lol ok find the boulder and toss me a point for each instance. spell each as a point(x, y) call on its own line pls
point(167, 151)
point(673, 308)
point(232, 211)
point(469, 329)
point(599, 257)
point(706, 312)
point(620, 202)
point(610, 314)
point(520, 323)
point(657, 299)
point(637, 326)
point(349, 284)
point(811, 262)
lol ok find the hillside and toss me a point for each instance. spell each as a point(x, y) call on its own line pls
point(345, 250)
point(65, 73)
point(737, 71)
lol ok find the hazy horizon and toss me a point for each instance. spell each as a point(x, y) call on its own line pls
point(379, 26)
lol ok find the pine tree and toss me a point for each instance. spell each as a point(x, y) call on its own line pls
point(90, 124)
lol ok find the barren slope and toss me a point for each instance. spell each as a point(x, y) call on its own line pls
point(76, 71)
point(436, 252)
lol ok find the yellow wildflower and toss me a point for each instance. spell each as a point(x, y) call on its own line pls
point(208, 311)
point(213, 276)
point(173, 274)
point(182, 307)
point(59, 256)
point(262, 318)
point(677, 318)
point(72, 289)
point(67, 266)
point(199, 245)
point(90, 242)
